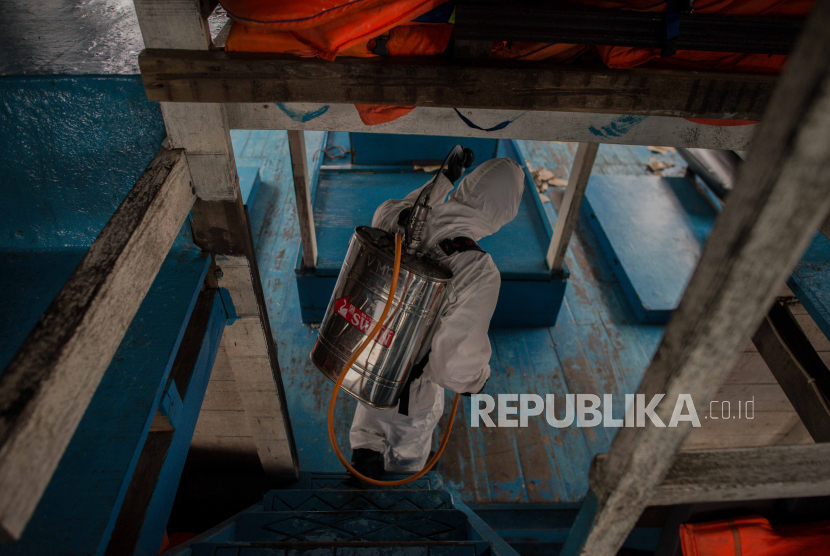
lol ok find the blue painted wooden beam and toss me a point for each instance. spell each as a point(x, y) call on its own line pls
point(194, 387)
point(498, 546)
point(249, 181)
point(79, 507)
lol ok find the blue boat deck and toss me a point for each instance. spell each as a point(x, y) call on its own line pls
point(597, 345)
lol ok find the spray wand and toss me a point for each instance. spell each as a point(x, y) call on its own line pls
point(458, 159)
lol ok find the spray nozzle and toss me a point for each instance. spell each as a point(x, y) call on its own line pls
point(456, 161)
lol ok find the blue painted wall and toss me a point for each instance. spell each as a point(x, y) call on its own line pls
point(70, 150)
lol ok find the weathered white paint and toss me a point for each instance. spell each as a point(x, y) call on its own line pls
point(302, 195)
point(199, 129)
point(244, 343)
point(539, 126)
point(203, 131)
point(781, 197)
point(566, 220)
point(759, 473)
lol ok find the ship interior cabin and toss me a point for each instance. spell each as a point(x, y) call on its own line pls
point(181, 182)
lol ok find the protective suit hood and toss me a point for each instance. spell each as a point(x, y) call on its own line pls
point(484, 201)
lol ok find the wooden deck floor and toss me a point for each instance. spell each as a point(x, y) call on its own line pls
point(597, 346)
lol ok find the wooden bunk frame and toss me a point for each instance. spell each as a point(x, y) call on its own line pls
point(779, 201)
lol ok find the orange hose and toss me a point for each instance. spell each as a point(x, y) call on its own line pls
point(348, 366)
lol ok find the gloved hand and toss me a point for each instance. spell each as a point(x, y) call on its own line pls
point(457, 164)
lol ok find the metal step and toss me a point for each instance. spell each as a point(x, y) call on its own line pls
point(334, 481)
point(343, 500)
point(463, 548)
point(368, 526)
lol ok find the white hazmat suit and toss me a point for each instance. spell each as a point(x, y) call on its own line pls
point(484, 201)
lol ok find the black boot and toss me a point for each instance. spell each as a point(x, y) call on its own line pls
point(368, 463)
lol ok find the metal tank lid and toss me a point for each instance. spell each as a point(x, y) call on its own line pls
point(384, 243)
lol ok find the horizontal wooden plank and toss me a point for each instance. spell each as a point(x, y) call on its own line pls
point(222, 423)
point(765, 428)
point(513, 124)
point(236, 279)
point(48, 385)
point(222, 395)
point(243, 447)
point(229, 77)
point(740, 474)
point(762, 397)
point(244, 342)
point(798, 434)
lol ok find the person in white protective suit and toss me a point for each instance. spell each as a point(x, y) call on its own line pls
point(457, 357)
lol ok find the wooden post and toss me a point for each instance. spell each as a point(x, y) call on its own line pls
point(48, 385)
point(221, 227)
point(781, 197)
point(586, 153)
point(200, 130)
point(302, 193)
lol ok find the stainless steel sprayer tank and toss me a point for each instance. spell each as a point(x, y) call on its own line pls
point(381, 371)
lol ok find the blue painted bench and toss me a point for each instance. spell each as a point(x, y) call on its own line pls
point(60, 188)
point(651, 230)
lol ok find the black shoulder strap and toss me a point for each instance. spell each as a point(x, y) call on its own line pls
point(414, 374)
point(451, 246)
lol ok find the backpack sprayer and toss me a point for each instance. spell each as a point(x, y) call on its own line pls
point(368, 282)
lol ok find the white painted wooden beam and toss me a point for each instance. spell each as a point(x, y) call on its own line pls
point(201, 130)
point(538, 125)
point(568, 215)
point(757, 473)
point(782, 195)
point(48, 385)
point(221, 226)
point(302, 194)
point(245, 341)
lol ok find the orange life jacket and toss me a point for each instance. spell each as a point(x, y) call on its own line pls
point(629, 57)
point(754, 536)
point(405, 40)
point(327, 28)
point(374, 114)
